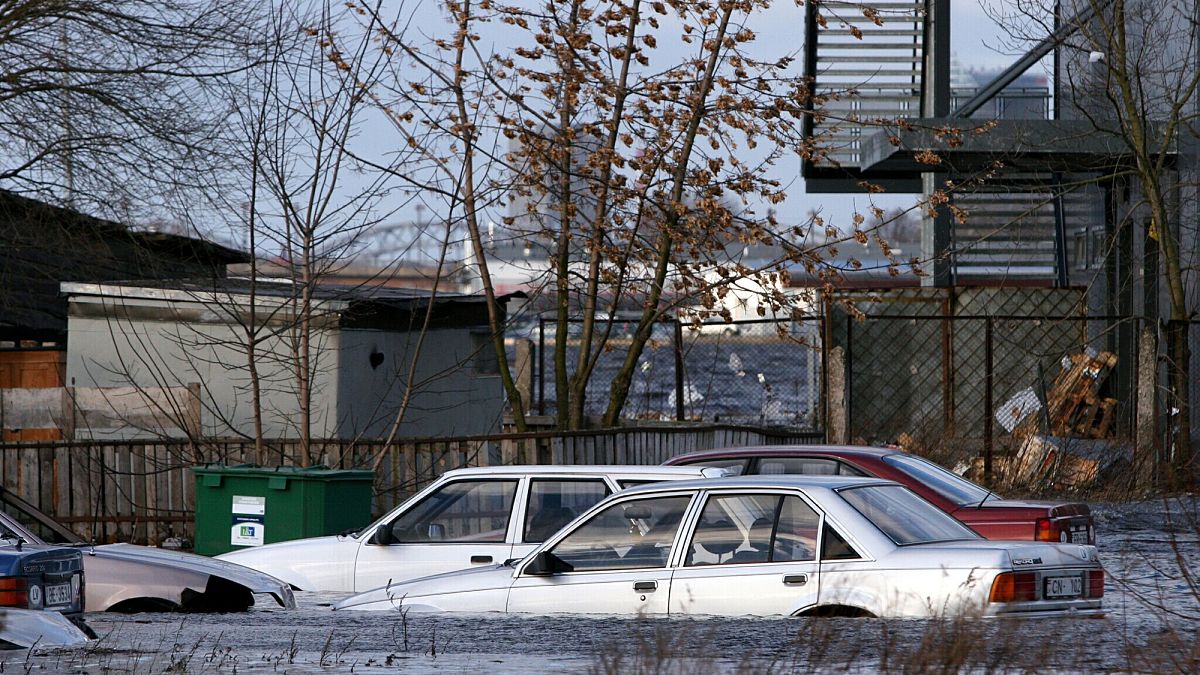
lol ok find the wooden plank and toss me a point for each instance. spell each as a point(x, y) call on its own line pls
point(141, 532)
point(61, 497)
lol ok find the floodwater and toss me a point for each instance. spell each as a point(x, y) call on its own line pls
point(1153, 620)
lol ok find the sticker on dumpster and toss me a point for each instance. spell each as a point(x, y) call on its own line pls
point(249, 526)
point(247, 531)
point(254, 506)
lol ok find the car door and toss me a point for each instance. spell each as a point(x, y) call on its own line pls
point(749, 553)
point(615, 562)
point(462, 523)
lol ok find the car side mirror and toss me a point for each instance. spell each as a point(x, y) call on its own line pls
point(545, 563)
point(437, 532)
point(383, 535)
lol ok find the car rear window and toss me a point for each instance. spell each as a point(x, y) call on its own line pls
point(903, 516)
point(949, 485)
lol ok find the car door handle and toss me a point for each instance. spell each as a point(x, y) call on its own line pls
point(480, 559)
point(645, 586)
point(795, 579)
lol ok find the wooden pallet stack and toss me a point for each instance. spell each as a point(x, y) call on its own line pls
point(1074, 405)
point(1068, 454)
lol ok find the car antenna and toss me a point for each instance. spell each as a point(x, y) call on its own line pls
point(985, 498)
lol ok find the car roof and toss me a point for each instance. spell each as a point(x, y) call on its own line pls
point(765, 481)
point(631, 471)
point(786, 450)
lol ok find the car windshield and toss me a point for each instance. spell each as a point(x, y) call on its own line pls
point(903, 516)
point(951, 486)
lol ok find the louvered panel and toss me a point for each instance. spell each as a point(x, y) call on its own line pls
point(882, 70)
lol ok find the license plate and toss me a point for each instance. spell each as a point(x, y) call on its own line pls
point(58, 594)
point(1063, 587)
point(1079, 536)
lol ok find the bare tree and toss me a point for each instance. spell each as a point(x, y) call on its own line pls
point(107, 106)
point(634, 163)
point(1129, 70)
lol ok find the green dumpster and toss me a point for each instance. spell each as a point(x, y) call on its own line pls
point(249, 505)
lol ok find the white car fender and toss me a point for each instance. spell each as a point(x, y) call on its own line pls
point(843, 596)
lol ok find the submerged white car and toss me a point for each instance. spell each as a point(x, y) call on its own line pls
point(768, 545)
point(129, 578)
point(468, 517)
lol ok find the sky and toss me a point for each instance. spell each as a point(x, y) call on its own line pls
point(975, 41)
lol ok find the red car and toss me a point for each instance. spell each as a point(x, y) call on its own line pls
point(984, 511)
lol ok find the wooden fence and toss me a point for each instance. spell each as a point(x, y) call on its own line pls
point(144, 491)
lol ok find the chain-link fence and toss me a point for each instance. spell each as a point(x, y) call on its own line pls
point(945, 370)
point(930, 367)
point(764, 372)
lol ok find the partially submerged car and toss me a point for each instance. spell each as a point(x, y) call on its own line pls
point(467, 517)
point(768, 545)
point(983, 510)
point(129, 578)
point(37, 576)
point(41, 593)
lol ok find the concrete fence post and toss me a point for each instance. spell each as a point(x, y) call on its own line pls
point(1145, 458)
point(837, 401)
point(524, 374)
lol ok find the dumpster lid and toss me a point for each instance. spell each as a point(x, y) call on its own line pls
point(317, 472)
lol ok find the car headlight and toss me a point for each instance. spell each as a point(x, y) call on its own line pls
point(35, 596)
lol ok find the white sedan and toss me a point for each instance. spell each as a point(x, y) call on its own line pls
point(468, 517)
point(768, 545)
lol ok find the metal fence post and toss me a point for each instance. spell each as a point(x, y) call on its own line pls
point(679, 412)
point(988, 378)
point(541, 365)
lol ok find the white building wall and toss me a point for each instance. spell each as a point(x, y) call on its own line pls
point(105, 351)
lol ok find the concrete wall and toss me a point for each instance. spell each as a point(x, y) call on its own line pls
point(106, 351)
point(456, 388)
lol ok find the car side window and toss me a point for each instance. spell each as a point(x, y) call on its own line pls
point(808, 466)
point(845, 469)
point(554, 502)
point(459, 511)
point(835, 547)
point(796, 535)
point(738, 529)
point(734, 529)
point(626, 535)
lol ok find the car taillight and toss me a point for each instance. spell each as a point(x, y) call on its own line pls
point(1095, 581)
point(14, 592)
point(1014, 587)
point(1044, 529)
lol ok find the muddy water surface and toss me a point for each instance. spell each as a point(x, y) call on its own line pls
point(1153, 619)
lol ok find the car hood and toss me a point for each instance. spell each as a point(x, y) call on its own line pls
point(389, 597)
point(302, 548)
point(26, 627)
point(256, 581)
point(317, 562)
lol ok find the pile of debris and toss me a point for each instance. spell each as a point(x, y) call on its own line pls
point(1072, 449)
